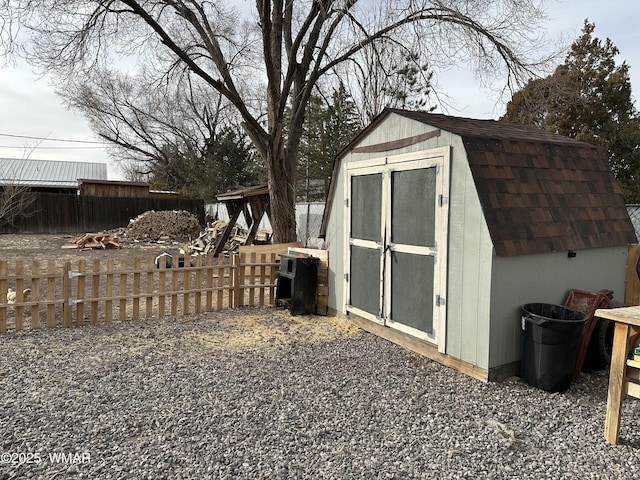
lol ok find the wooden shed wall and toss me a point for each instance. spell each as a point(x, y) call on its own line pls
point(470, 248)
point(545, 278)
point(114, 189)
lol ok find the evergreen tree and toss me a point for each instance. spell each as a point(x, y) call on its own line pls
point(227, 163)
point(588, 98)
point(409, 85)
point(328, 128)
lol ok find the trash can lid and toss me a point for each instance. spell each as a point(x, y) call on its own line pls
point(554, 312)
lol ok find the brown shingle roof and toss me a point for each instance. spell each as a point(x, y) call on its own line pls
point(540, 192)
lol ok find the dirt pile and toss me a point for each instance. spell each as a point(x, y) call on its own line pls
point(177, 225)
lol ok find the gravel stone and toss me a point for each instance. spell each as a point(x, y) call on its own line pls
point(257, 394)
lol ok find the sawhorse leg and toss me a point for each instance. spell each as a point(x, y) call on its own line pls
point(616, 382)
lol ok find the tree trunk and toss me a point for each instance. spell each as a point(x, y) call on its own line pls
point(282, 196)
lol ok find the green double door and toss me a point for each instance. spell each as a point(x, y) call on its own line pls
point(397, 218)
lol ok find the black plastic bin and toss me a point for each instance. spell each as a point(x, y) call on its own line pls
point(297, 283)
point(552, 335)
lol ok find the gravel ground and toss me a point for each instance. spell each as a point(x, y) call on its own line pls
point(260, 394)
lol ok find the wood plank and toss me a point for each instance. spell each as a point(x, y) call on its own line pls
point(263, 275)
point(420, 347)
point(137, 266)
point(108, 303)
point(628, 315)
point(174, 284)
point(633, 374)
point(616, 382)
point(80, 291)
point(66, 295)
point(268, 249)
point(633, 363)
point(3, 296)
point(19, 309)
point(151, 271)
point(252, 277)
point(209, 283)
point(35, 294)
point(122, 309)
point(198, 284)
point(162, 283)
point(240, 280)
point(51, 293)
point(95, 290)
point(632, 389)
point(186, 286)
point(220, 284)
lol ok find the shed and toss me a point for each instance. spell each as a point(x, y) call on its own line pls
point(439, 228)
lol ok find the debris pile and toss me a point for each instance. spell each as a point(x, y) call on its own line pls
point(212, 236)
point(207, 240)
point(93, 241)
point(172, 224)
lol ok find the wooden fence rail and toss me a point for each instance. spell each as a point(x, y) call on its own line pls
point(49, 296)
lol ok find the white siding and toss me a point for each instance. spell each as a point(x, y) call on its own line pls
point(470, 248)
point(545, 278)
point(470, 251)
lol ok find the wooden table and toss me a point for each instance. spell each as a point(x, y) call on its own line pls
point(624, 376)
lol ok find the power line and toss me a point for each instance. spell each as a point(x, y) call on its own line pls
point(50, 139)
point(53, 148)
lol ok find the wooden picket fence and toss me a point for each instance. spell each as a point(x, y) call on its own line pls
point(78, 293)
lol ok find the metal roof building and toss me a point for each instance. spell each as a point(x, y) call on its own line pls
point(49, 173)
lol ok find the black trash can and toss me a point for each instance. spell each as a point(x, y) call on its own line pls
point(551, 340)
point(297, 283)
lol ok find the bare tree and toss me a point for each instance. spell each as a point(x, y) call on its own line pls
point(15, 197)
point(286, 49)
point(158, 127)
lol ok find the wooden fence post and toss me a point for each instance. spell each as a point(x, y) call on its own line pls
point(235, 280)
point(95, 290)
point(66, 295)
point(80, 291)
point(35, 294)
point(19, 295)
point(108, 303)
point(52, 270)
point(3, 295)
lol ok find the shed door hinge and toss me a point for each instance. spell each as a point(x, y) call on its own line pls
point(346, 202)
point(440, 301)
point(346, 277)
point(443, 200)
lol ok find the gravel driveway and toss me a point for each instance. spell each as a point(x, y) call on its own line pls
point(260, 394)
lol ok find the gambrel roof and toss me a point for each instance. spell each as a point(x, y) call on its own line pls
point(540, 192)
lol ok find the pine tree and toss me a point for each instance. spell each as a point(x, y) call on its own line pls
point(588, 98)
point(328, 128)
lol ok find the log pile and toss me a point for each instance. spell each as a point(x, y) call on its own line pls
point(93, 241)
point(207, 240)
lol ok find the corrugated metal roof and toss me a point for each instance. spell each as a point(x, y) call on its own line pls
point(49, 173)
point(634, 214)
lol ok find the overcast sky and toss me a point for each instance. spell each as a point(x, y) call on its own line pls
point(31, 109)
